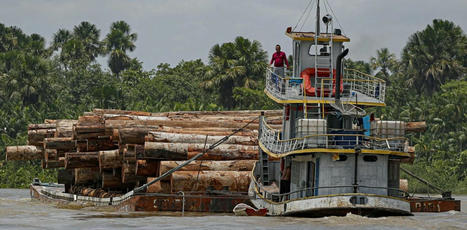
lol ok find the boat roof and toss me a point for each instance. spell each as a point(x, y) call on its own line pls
point(310, 36)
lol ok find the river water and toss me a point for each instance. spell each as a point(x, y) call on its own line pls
point(18, 211)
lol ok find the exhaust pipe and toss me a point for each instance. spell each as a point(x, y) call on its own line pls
point(338, 72)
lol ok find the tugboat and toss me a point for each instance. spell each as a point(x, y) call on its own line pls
point(331, 157)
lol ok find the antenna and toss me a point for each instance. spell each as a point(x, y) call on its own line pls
point(317, 19)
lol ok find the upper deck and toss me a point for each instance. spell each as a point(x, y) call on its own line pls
point(357, 88)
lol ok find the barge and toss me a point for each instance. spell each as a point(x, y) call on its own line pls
point(321, 154)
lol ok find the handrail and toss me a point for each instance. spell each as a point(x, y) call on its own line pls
point(270, 138)
point(291, 88)
point(367, 75)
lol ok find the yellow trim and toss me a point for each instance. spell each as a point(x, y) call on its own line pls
point(320, 39)
point(323, 150)
point(297, 101)
point(255, 182)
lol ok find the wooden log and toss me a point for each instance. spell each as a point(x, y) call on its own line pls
point(51, 164)
point(181, 123)
point(148, 168)
point(415, 126)
point(90, 120)
point(159, 187)
point(132, 135)
point(37, 136)
point(131, 152)
point(111, 181)
point(95, 144)
point(23, 153)
point(60, 143)
point(85, 176)
point(194, 138)
point(51, 154)
point(205, 131)
point(116, 111)
point(110, 159)
point(65, 128)
point(239, 165)
point(210, 180)
point(81, 160)
point(183, 151)
point(129, 174)
point(42, 126)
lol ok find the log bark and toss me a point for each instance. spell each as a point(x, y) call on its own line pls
point(51, 164)
point(111, 181)
point(81, 160)
point(159, 187)
point(42, 126)
point(210, 180)
point(131, 152)
point(182, 151)
point(51, 154)
point(23, 153)
point(37, 136)
point(60, 143)
point(95, 144)
point(65, 128)
point(129, 174)
point(110, 159)
point(148, 168)
point(85, 176)
point(415, 126)
point(132, 135)
point(239, 165)
point(181, 123)
point(194, 138)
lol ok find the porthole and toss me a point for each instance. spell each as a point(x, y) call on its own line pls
point(370, 158)
point(342, 157)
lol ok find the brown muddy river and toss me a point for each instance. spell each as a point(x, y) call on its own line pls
point(18, 211)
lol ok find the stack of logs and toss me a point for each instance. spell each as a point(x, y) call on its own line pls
point(114, 151)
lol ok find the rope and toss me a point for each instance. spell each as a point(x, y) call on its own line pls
point(213, 146)
point(307, 17)
point(333, 14)
point(306, 8)
point(201, 163)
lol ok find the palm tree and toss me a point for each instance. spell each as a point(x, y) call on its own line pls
point(384, 61)
point(435, 55)
point(241, 63)
point(88, 35)
point(117, 42)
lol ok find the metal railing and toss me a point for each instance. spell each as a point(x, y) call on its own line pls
point(305, 192)
point(341, 139)
point(357, 86)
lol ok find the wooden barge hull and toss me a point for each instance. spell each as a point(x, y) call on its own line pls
point(194, 202)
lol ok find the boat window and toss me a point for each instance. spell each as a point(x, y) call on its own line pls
point(342, 157)
point(370, 158)
point(323, 50)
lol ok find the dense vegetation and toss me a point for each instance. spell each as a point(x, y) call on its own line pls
point(63, 79)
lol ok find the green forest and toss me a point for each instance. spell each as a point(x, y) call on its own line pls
point(62, 78)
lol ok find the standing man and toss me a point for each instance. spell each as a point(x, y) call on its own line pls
point(278, 58)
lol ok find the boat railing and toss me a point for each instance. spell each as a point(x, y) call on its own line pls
point(366, 84)
point(270, 139)
point(281, 84)
point(313, 191)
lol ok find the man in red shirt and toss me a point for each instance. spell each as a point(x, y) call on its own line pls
point(278, 58)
